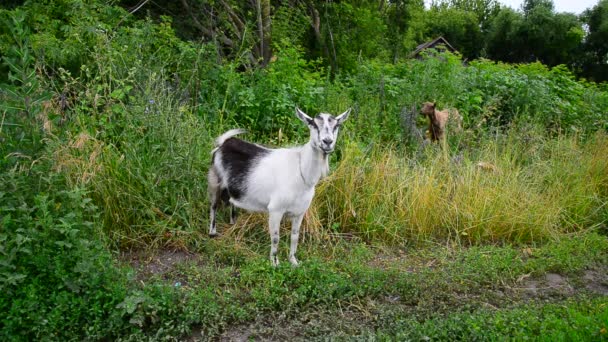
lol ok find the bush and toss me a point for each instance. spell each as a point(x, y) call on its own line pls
point(57, 278)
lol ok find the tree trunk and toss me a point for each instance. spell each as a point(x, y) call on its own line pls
point(264, 31)
point(315, 22)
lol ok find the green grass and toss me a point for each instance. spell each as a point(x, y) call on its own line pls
point(581, 320)
point(149, 179)
point(223, 287)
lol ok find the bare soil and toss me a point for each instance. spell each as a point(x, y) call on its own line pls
point(162, 263)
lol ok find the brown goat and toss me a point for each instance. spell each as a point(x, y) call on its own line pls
point(438, 119)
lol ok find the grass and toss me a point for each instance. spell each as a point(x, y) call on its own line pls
point(569, 320)
point(150, 179)
point(386, 293)
point(144, 156)
point(512, 189)
point(535, 191)
point(417, 243)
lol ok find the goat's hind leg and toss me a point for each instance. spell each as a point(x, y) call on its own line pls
point(215, 193)
point(233, 210)
point(232, 214)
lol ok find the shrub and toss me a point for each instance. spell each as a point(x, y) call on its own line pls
point(57, 278)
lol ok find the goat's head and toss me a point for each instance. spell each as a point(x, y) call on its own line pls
point(323, 129)
point(428, 108)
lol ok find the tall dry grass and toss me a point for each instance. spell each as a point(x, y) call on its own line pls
point(511, 190)
point(516, 188)
point(149, 180)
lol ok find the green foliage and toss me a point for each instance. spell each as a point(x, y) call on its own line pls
point(265, 100)
point(535, 191)
point(459, 27)
point(531, 93)
point(488, 94)
point(153, 164)
point(503, 36)
point(290, 24)
point(22, 95)
point(485, 10)
point(57, 279)
point(366, 41)
point(565, 321)
point(220, 294)
point(289, 289)
point(141, 118)
point(539, 33)
point(63, 31)
point(402, 18)
point(595, 56)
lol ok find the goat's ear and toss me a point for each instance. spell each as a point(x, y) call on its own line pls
point(342, 117)
point(305, 118)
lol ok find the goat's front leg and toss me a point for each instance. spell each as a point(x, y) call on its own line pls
point(274, 223)
point(296, 221)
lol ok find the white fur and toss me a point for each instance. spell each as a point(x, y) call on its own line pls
point(282, 182)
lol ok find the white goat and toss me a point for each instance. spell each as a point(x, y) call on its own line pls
point(278, 181)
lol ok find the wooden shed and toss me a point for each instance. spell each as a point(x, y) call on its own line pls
point(440, 44)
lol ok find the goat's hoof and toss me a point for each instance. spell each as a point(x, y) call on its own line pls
point(213, 235)
point(274, 261)
point(294, 262)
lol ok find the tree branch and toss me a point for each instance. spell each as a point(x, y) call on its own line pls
point(205, 30)
point(238, 24)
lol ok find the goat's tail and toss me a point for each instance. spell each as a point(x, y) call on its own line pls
point(222, 138)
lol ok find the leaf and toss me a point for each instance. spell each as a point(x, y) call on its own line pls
point(130, 303)
point(13, 279)
point(63, 244)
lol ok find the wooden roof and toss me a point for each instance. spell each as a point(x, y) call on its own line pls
point(432, 44)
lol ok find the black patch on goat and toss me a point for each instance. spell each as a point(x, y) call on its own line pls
point(238, 157)
point(225, 196)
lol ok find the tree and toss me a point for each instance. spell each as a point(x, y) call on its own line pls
point(549, 37)
point(400, 17)
point(595, 45)
point(537, 33)
point(235, 26)
point(460, 28)
point(352, 31)
point(485, 10)
point(530, 5)
point(504, 41)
